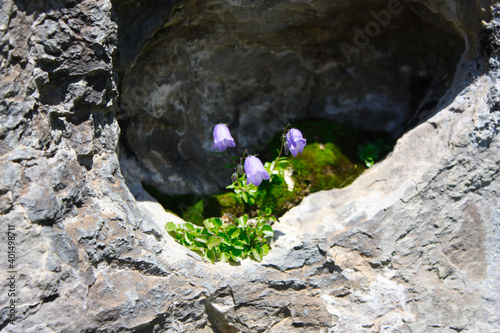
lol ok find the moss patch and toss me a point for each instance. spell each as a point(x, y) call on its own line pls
point(322, 167)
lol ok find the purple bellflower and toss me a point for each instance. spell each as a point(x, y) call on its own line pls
point(295, 142)
point(255, 171)
point(222, 138)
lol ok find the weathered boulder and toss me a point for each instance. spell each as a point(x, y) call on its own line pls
point(410, 246)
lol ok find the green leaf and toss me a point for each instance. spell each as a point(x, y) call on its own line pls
point(260, 224)
point(224, 257)
point(217, 223)
point(236, 254)
point(265, 249)
point(225, 238)
point(213, 224)
point(267, 230)
point(237, 244)
point(244, 238)
point(257, 253)
point(179, 235)
point(245, 196)
point(233, 231)
point(202, 239)
point(188, 238)
point(207, 224)
point(252, 235)
point(171, 226)
point(242, 221)
point(196, 248)
point(189, 226)
point(214, 241)
point(210, 256)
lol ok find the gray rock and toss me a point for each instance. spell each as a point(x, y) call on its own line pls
point(410, 246)
point(38, 198)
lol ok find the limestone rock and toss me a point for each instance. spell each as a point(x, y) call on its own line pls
point(410, 246)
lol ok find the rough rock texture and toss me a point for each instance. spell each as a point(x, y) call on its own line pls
point(410, 246)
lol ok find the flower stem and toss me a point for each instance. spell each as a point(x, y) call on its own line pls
point(283, 139)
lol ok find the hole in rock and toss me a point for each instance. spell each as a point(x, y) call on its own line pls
point(372, 66)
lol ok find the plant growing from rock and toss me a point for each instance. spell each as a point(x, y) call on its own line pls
point(236, 239)
point(225, 240)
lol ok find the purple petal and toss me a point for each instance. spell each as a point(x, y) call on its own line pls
point(295, 141)
point(222, 138)
point(255, 171)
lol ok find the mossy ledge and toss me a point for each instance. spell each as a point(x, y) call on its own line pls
point(329, 160)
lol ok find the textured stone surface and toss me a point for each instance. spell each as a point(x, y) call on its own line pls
point(410, 246)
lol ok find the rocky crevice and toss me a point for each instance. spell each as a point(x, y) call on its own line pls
point(409, 246)
point(257, 66)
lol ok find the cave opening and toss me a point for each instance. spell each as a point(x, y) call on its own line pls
point(377, 67)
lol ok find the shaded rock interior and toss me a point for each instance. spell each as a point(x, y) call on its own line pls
point(256, 65)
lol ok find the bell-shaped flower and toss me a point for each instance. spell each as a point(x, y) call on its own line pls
point(295, 142)
point(255, 171)
point(222, 138)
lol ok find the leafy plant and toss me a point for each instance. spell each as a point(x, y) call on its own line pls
point(370, 152)
point(245, 193)
point(265, 191)
point(225, 240)
point(248, 193)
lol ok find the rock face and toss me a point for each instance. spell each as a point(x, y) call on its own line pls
point(410, 246)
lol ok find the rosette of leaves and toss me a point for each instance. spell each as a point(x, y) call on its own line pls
point(224, 240)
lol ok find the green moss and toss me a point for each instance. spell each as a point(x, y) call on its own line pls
point(229, 204)
point(322, 167)
point(194, 213)
point(275, 196)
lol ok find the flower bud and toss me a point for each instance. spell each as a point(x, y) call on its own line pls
point(234, 177)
